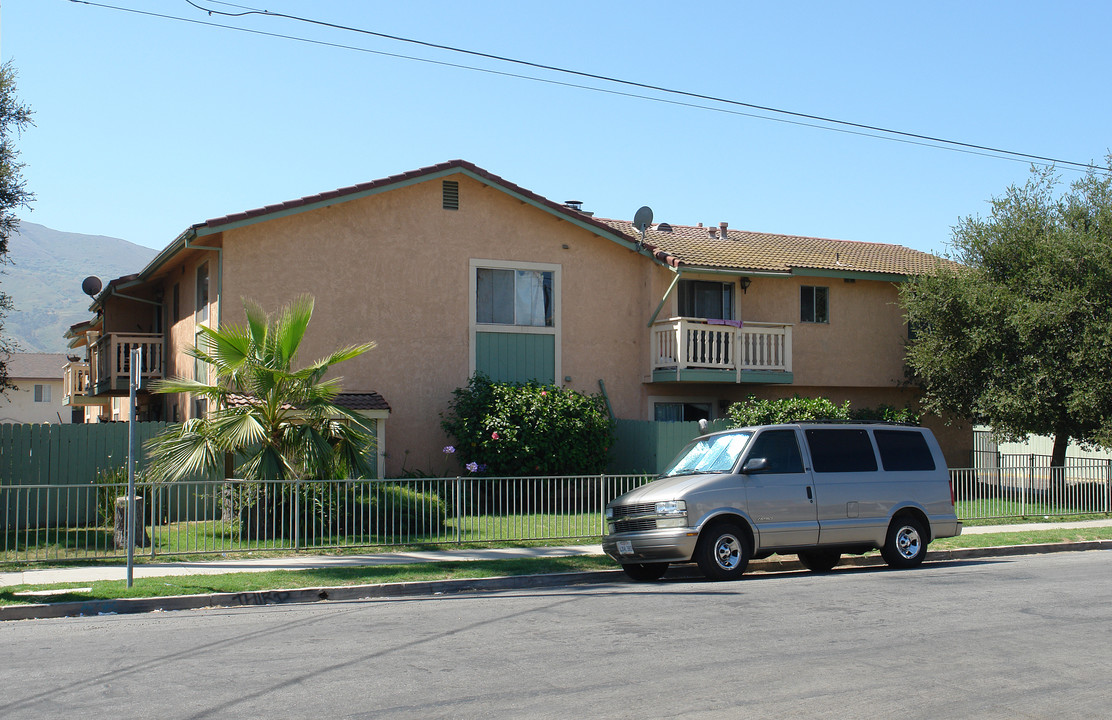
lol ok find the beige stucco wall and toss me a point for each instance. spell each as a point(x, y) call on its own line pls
point(18, 405)
point(394, 268)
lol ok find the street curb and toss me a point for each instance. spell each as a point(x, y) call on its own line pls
point(492, 584)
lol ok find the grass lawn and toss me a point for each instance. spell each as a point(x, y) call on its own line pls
point(288, 579)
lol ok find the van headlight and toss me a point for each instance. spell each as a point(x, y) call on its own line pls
point(673, 514)
point(671, 507)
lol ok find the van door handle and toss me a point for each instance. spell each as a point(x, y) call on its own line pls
point(810, 496)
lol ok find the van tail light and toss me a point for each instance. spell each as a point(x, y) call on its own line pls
point(953, 499)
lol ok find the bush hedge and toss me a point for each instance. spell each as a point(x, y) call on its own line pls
point(524, 429)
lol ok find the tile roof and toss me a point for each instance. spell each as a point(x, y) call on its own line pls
point(680, 246)
point(684, 245)
point(340, 194)
point(362, 401)
point(36, 366)
point(351, 401)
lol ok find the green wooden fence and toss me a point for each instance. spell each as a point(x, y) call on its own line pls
point(645, 446)
point(70, 455)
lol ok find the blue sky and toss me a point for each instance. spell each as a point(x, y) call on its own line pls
point(145, 125)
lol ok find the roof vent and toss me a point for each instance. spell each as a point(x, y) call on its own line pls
point(722, 229)
point(664, 227)
point(576, 205)
point(451, 194)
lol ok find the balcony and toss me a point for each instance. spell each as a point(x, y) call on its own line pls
point(110, 361)
point(698, 350)
point(75, 385)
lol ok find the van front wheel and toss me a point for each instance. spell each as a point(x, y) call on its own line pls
point(723, 552)
point(906, 543)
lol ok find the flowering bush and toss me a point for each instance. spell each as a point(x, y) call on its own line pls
point(521, 429)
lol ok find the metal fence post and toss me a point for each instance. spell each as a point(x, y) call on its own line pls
point(297, 514)
point(459, 507)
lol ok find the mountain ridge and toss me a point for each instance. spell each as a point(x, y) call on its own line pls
point(44, 278)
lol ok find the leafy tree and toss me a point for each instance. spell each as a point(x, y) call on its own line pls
point(522, 429)
point(1020, 334)
point(14, 117)
point(282, 420)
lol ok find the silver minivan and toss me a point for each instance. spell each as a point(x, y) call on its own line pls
point(817, 490)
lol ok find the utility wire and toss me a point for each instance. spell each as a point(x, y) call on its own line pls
point(860, 129)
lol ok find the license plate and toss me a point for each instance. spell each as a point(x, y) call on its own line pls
point(625, 547)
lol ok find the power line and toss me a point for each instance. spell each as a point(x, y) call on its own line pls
point(802, 119)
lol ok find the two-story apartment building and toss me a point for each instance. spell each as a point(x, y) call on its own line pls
point(453, 270)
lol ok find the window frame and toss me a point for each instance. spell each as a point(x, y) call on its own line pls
point(41, 394)
point(474, 327)
point(814, 304)
point(655, 400)
point(688, 286)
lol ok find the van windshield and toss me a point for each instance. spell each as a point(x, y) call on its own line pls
point(714, 454)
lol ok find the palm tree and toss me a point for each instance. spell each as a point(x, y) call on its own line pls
point(282, 422)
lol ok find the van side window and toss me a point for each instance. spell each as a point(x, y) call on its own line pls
point(841, 450)
point(780, 449)
point(903, 450)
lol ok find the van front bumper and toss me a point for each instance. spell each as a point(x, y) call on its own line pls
point(668, 545)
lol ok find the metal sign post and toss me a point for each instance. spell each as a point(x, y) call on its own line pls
point(136, 380)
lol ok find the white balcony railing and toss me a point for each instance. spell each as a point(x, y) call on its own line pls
point(75, 382)
point(110, 360)
point(685, 343)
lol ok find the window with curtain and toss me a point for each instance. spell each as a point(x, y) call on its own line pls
point(513, 297)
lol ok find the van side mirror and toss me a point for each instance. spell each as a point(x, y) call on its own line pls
point(755, 465)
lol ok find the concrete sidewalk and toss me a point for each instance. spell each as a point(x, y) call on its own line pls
point(87, 574)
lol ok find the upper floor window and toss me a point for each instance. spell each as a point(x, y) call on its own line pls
point(705, 299)
point(814, 304)
point(202, 305)
point(42, 393)
point(514, 297)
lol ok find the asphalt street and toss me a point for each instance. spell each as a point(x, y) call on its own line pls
point(989, 638)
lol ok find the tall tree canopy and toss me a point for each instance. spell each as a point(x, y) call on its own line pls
point(14, 117)
point(1020, 336)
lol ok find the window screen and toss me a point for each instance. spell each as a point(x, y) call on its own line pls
point(841, 450)
point(903, 450)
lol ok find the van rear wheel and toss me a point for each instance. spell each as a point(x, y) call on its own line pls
point(723, 551)
point(906, 543)
point(819, 561)
point(644, 572)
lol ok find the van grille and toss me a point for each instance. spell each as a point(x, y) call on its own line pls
point(622, 526)
point(624, 511)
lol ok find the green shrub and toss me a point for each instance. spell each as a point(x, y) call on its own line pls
point(887, 413)
point(523, 429)
point(754, 411)
point(398, 510)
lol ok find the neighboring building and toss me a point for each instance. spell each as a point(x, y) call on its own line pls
point(37, 396)
point(453, 270)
